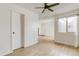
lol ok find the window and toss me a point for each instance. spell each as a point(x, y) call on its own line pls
point(62, 25)
point(72, 23)
point(67, 24)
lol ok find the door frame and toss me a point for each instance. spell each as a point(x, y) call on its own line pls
point(11, 28)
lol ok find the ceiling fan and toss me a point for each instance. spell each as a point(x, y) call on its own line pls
point(46, 6)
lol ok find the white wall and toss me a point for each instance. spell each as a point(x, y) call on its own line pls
point(5, 27)
point(47, 27)
point(5, 37)
point(31, 30)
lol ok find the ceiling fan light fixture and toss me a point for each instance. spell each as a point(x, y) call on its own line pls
point(48, 7)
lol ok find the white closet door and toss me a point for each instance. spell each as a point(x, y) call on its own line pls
point(16, 36)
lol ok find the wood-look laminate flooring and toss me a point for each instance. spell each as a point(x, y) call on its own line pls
point(46, 48)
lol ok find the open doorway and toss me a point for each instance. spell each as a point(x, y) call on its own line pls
point(22, 19)
point(17, 30)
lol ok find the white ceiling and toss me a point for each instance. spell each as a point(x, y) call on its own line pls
point(63, 7)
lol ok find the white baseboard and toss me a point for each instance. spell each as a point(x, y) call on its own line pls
point(31, 44)
point(5, 53)
point(69, 44)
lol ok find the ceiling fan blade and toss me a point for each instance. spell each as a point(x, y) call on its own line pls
point(45, 3)
point(54, 4)
point(43, 10)
point(39, 7)
point(50, 9)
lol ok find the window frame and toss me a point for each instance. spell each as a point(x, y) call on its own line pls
point(66, 23)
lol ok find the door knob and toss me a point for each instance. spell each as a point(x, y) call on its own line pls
point(13, 32)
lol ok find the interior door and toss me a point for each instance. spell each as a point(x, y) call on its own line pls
point(16, 36)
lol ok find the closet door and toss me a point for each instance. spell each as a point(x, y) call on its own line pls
point(16, 30)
